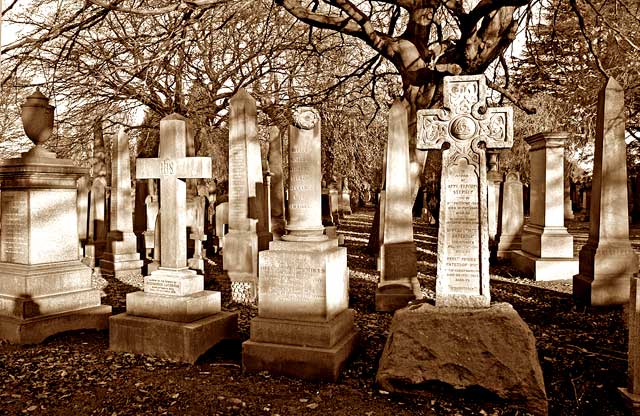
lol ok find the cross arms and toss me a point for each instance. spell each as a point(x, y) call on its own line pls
point(433, 129)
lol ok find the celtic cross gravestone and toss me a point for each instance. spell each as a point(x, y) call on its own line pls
point(464, 129)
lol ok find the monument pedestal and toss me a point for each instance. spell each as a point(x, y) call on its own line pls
point(173, 318)
point(398, 264)
point(605, 273)
point(179, 341)
point(240, 260)
point(303, 328)
point(308, 350)
point(44, 287)
point(547, 252)
point(121, 265)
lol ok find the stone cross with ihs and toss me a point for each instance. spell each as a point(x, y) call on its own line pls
point(172, 167)
point(464, 129)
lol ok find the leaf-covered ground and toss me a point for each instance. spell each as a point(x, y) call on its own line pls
point(582, 353)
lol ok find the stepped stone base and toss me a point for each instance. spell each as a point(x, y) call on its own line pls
point(544, 269)
point(307, 350)
point(36, 329)
point(178, 341)
point(121, 266)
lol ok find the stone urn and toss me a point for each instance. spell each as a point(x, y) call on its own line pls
point(37, 120)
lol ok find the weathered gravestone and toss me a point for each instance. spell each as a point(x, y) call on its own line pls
point(98, 206)
point(467, 343)
point(398, 273)
point(222, 223)
point(196, 209)
point(568, 209)
point(494, 181)
point(304, 327)
point(44, 288)
point(174, 317)
point(512, 216)
point(345, 198)
point(607, 260)
point(152, 206)
point(121, 258)
point(140, 216)
point(334, 201)
point(97, 239)
point(82, 208)
point(547, 246)
point(277, 183)
point(247, 235)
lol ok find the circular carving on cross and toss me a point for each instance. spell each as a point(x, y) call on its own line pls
point(305, 118)
point(463, 128)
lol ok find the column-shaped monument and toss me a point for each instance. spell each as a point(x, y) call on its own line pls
point(174, 317)
point(246, 234)
point(547, 246)
point(398, 273)
point(304, 327)
point(449, 344)
point(44, 287)
point(121, 258)
point(607, 261)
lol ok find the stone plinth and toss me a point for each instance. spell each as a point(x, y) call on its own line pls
point(607, 260)
point(547, 246)
point(304, 328)
point(44, 288)
point(174, 317)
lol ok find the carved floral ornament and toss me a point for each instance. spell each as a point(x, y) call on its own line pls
point(305, 118)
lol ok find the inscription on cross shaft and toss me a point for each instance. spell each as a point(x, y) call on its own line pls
point(464, 129)
point(172, 167)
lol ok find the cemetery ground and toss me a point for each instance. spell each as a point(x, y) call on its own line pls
point(582, 352)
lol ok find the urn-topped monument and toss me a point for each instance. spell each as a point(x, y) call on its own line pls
point(44, 287)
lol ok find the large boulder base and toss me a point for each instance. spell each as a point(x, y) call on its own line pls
point(489, 349)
